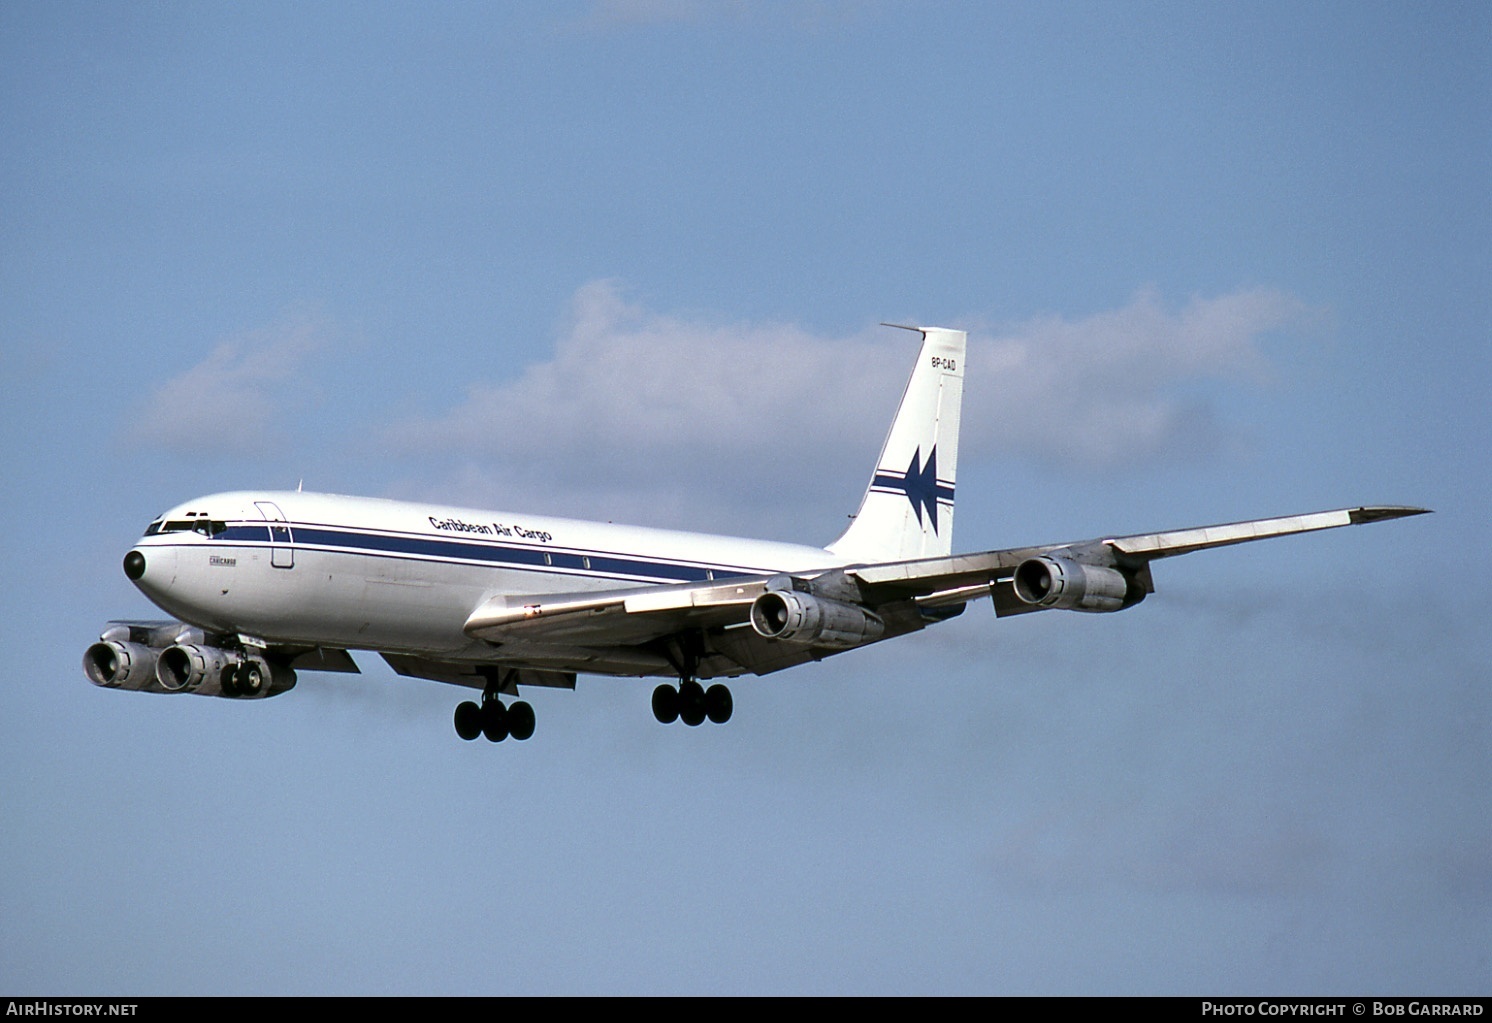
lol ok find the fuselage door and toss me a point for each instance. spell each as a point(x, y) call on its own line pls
point(281, 551)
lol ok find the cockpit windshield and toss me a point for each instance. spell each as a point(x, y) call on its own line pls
point(202, 524)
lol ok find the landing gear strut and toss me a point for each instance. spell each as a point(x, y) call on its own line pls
point(492, 719)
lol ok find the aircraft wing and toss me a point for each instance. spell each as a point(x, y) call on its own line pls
point(931, 574)
point(638, 615)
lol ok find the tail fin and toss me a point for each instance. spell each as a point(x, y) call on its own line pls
point(907, 511)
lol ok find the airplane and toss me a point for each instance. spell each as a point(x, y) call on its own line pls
point(263, 585)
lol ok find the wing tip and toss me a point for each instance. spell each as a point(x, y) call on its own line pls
point(1378, 513)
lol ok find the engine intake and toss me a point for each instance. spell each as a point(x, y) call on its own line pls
point(795, 617)
point(1049, 582)
point(118, 664)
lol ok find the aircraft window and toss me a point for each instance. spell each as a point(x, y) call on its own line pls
point(153, 528)
point(204, 525)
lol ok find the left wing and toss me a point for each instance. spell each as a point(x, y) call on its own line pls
point(834, 610)
point(1129, 553)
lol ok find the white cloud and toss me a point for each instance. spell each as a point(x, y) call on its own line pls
point(634, 401)
point(235, 400)
point(1108, 389)
point(644, 404)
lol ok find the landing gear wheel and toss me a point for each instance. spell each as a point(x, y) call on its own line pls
point(468, 720)
point(520, 721)
point(666, 704)
point(230, 679)
point(718, 704)
point(250, 680)
point(691, 703)
point(494, 721)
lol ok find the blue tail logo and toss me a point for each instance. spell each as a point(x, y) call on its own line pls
point(919, 484)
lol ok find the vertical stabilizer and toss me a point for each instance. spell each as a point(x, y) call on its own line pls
point(907, 511)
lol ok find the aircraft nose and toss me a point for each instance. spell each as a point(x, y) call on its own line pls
point(134, 565)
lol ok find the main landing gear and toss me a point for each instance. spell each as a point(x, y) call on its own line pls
point(494, 720)
point(692, 703)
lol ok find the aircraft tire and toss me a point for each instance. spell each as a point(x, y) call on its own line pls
point(666, 704)
point(692, 703)
point(468, 720)
point(250, 680)
point(520, 721)
point(494, 721)
point(718, 704)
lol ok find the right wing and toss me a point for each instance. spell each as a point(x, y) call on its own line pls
point(945, 580)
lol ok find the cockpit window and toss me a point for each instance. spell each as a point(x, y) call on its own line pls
point(202, 524)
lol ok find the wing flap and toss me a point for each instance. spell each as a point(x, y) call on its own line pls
point(477, 676)
point(633, 615)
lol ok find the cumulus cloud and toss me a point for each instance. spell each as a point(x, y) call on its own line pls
point(633, 400)
point(1111, 388)
point(643, 388)
point(236, 399)
point(633, 406)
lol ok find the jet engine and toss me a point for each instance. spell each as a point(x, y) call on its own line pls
point(212, 671)
point(1049, 582)
point(188, 668)
point(795, 617)
point(119, 664)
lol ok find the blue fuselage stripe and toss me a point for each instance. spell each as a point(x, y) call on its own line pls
point(304, 537)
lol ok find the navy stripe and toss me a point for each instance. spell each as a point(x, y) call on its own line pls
point(497, 554)
point(412, 545)
point(239, 532)
point(943, 493)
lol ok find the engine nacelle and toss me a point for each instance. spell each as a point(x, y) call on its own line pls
point(795, 617)
point(211, 671)
point(119, 664)
point(189, 668)
point(1071, 586)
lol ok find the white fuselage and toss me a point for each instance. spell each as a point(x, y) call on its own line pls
point(364, 573)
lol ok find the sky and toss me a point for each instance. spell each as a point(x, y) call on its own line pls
point(628, 261)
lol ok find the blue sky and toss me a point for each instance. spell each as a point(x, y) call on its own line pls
point(626, 261)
